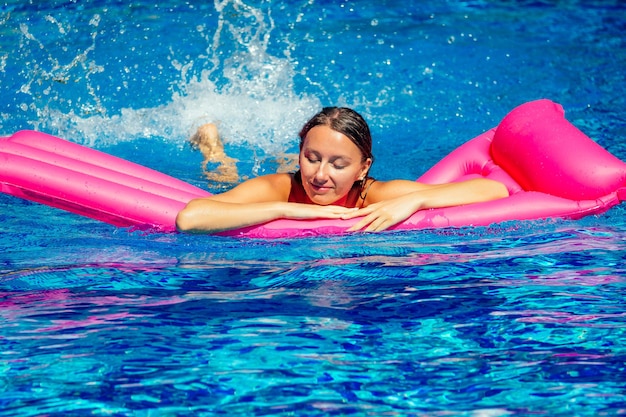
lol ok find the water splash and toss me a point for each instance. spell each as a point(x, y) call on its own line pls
point(38, 94)
point(237, 82)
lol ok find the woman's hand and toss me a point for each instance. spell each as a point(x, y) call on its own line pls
point(384, 214)
point(209, 215)
point(297, 211)
point(395, 201)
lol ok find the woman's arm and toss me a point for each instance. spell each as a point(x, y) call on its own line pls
point(253, 202)
point(389, 203)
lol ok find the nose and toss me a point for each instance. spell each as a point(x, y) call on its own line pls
point(321, 175)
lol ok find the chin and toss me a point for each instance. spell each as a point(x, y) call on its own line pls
point(326, 200)
point(323, 201)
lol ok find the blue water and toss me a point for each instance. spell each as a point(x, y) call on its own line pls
point(522, 318)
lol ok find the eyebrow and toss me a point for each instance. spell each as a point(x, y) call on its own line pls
point(332, 159)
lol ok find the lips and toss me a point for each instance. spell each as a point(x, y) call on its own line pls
point(321, 189)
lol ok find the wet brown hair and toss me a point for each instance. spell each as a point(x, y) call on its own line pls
point(345, 121)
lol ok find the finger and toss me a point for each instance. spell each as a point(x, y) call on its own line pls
point(341, 209)
point(374, 226)
point(379, 224)
point(355, 227)
point(335, 210)
point(360, 224)
point(353, 214)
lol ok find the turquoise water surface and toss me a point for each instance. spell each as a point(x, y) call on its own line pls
point(521, 318)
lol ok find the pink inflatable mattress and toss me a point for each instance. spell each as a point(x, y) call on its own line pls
point(552, 170)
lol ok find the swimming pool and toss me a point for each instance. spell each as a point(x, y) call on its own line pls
point(522, 318)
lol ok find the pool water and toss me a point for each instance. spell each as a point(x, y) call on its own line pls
point(521, 318)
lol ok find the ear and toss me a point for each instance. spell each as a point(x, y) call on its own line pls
point(365, 167)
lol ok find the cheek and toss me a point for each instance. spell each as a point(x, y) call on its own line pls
point(345, 180)
point(306, 169)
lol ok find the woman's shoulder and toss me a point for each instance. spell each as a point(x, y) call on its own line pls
point(280, 180)
point(271, 179)
point(270, 187)
point(385, 190)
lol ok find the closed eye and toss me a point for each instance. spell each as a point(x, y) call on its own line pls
point(337, 162)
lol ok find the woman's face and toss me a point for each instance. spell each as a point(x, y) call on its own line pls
point(330, 163)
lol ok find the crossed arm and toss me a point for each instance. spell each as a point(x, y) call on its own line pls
point(392, 202)
point(265, 198)
point(252, 202)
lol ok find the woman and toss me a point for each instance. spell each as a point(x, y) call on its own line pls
point(333, 183)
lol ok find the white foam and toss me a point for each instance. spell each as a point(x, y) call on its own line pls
point(255, 104)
